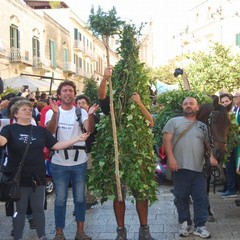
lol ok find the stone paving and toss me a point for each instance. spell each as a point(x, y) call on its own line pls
point(101, 224)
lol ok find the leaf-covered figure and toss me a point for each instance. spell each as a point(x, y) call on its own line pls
point(135, 139)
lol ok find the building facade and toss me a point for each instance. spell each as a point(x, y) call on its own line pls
point(49, 43)
point(210, 21)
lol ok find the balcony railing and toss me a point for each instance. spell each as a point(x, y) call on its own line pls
point(40, 64)
point(78, 45)
point(79, 72)
point(69, 67)
point(18, 57)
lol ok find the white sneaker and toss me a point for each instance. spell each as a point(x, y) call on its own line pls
point(185, 229)
point(201, 232)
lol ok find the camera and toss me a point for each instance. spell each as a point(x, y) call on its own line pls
point(178, 71)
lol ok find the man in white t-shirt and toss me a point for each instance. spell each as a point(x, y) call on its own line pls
point(69, 165)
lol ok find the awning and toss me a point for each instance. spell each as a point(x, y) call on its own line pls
point(34, 84)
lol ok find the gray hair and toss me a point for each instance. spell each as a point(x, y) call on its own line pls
point(17, 105)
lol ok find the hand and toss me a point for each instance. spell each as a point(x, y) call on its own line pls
point(213, 161)
point(53, 105)
point(84, 136)
point(108, 72)
point(173, 166)
point(136, 97)
point(93, 109)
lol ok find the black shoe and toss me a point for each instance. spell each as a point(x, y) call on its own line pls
point(12, 233)
point(237, 204)
point(31, 224)
point(237, 201)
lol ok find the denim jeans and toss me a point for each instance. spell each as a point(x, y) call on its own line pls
point(62, 176)
point(231, 171)
point(190, 183)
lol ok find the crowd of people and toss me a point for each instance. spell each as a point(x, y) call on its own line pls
point(51, 124)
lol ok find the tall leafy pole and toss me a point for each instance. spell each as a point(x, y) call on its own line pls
point(106, 25)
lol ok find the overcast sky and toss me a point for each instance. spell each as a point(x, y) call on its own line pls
point(169, 16)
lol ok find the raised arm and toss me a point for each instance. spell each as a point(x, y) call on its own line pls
point(52, 124)
point(102, 90)
point(89, 124)
point(148, 116)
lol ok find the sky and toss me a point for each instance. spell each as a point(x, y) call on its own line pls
point(168, 16)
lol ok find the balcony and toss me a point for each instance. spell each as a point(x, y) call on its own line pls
point(78, 46)
point(69, 67)
point(41, 65)
point(3, 52)
point(88, 52)
point(16, 56)
point(79, 72)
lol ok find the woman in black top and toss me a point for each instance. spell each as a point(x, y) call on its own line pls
point(32, 183)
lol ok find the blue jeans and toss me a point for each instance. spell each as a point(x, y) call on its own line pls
point(62, 175)
point(231, 171)
point(190, 183)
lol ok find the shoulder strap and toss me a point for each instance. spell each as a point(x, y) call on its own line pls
point(78, 112)
point(184, 133)
point(27, 147)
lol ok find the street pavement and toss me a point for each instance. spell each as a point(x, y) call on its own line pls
point(101, 225)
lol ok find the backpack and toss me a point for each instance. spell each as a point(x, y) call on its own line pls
point(49, 153)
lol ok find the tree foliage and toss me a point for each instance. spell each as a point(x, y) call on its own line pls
point(208, 72)
point(172, 107)
point(137, 163)
point(104, 23)
point(214, 71)
point(90, 89)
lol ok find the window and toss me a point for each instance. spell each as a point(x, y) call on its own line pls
point(14, 37)
point(65, 55)
point(53, 53)
point(80, 62)
point(238, 39)
point(75, 34)
point(35, 47)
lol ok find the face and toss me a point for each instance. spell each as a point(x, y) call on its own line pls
point(24, 112)
point(190, 106)
point(82, 103)
point(237, 99)
point(67, 95)
point(225, 101)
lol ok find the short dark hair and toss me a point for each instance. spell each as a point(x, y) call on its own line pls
point(228, 95)
point(66, 83)
point(82, 96)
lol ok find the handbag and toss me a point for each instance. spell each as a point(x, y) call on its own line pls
point(10, 183)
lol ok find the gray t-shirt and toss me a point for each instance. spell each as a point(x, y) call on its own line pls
point(189, 151)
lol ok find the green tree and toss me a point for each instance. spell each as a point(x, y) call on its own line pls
point(90, 89)
point(137, 162)
point(213, 71)
point(172, 107)
point(209, 72)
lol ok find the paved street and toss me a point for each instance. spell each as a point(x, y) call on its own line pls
point(101, 225)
